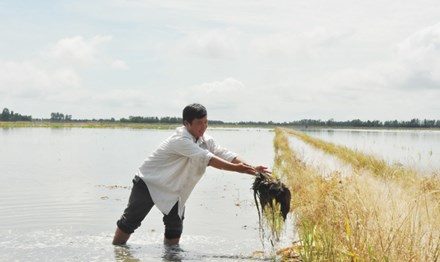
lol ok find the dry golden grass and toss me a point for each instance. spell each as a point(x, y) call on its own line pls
point(379, 213)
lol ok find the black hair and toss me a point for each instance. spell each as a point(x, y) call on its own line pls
point(194, 111)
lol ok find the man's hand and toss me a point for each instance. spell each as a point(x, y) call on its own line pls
point(262, 169)
point(237, 165)
point(245, 168)
point(248, 169)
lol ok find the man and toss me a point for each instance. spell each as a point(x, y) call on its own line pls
point(170, 173)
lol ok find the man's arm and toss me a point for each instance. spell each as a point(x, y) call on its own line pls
point(237, 160)
point(236, 165)
point(262, 169)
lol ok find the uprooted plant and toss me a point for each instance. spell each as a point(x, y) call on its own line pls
point(272, 199)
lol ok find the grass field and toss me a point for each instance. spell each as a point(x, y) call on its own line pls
point(378, 213)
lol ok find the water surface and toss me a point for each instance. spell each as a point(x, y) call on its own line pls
point(62, 190)
point(419, 149)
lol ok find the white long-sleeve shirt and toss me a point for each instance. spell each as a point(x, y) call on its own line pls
point(174, 168)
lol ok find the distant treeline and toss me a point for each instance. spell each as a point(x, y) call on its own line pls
point(161, 120)
point(413, 123)
point(12, 116)
point(59, 117)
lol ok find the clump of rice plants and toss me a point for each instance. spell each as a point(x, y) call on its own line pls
point(272, 199)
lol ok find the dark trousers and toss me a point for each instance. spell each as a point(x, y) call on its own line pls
point(140, 204)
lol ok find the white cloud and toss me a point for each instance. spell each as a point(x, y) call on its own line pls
point(290, 44)
point(213, 44)
point(414, 66)
point(232, 43)
point(228, 99)
point(228, 93)
point(420, 54)
point(421, 45)
point(124, 97)
point(119, 64)
point(77, 50)
point(56, 74)
point(30, 77)
point(254, 60)
point(136, 4)
point(404, 86)
point(232, 100)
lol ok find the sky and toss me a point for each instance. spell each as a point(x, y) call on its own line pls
point(244, 60)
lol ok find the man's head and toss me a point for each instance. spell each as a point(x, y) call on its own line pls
point(195, 119)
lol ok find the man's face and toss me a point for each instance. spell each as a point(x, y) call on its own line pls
point(198, 126)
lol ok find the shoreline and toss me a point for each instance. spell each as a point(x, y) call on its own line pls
point(98, 124)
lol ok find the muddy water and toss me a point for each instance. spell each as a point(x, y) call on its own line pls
point(62, 190)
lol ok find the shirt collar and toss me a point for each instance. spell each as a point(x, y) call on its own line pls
point(199, 141)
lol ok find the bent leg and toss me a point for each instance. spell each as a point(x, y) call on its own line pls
point(139, 204)
point(120, 237)
point(173, 226)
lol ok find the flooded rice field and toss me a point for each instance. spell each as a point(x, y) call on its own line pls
point(419, 149)
point(62, 190)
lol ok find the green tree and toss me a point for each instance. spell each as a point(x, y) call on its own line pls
point(58, 117)
point(6, 115)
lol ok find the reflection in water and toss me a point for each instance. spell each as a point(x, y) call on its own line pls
point(126, 253)
point(123, 254)
point(173, 253)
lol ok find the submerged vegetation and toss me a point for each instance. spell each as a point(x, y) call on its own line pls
point(378, 213)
